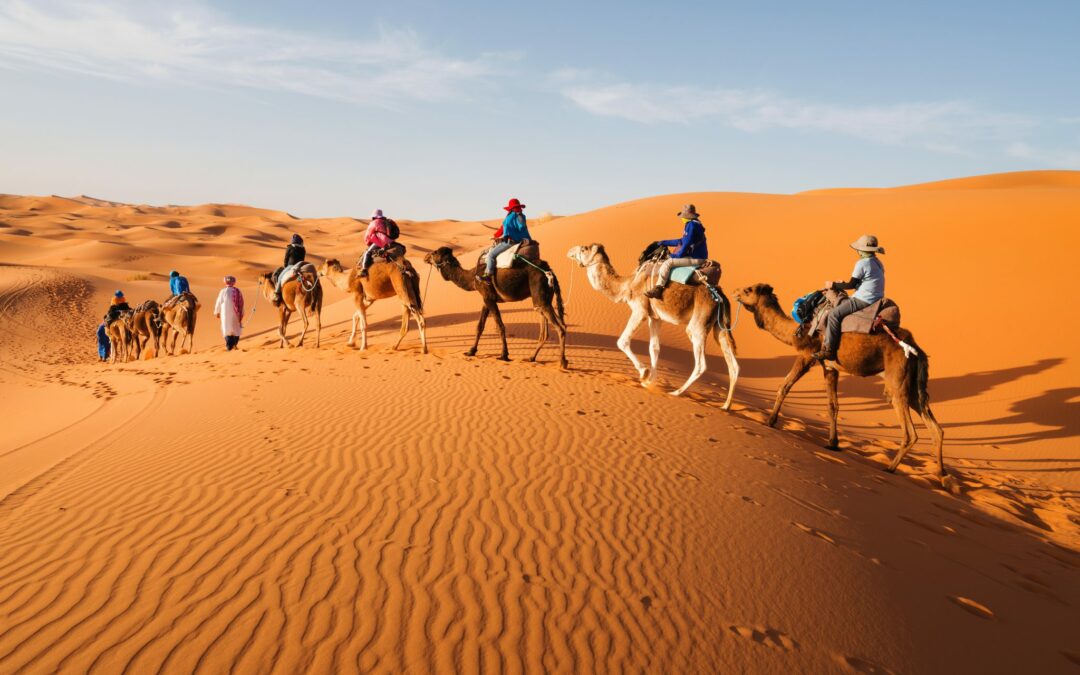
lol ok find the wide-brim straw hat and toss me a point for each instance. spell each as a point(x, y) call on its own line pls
point(689, 212)
point(867, 243)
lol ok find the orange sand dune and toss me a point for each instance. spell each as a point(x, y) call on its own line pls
point(329, 510)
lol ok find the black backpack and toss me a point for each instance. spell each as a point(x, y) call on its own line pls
point(392, 229)
point(654, 252)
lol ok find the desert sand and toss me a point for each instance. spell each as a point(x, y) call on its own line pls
point(330, 510)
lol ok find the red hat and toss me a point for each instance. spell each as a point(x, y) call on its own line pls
point(514, 204)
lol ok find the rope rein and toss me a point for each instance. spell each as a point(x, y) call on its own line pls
point(423, 298)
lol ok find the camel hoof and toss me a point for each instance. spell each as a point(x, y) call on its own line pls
point(835, 447)
point(504, 357)
point(471, 352)
point(531, 359)
point(771, 422)
point(565, 365)
point(950, 484)
point(891, 468)
point(677, 392)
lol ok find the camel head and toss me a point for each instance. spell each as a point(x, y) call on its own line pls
point(441, 258)
point(752, 297)
point(330, 265)
point(588, 255)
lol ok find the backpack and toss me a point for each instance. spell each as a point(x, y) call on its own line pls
point(654, 252)
point(803, 309)
point(392, 229)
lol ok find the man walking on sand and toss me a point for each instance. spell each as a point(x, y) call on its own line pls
point(230, 309)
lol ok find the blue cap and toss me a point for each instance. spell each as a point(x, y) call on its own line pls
point(174, 273)
point(119, 294)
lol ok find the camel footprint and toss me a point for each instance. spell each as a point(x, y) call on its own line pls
point(770, 637)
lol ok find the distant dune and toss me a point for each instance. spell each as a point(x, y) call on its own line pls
point(329, 510)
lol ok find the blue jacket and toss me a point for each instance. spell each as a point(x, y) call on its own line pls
point(514, 226)
point(178, 285)
point(692, 244)
point(102, 342)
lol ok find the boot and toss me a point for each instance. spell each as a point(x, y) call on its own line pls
point(655, 292)
point(277, 299)
point(825, 354)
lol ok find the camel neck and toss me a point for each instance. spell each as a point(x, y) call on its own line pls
point(779, 325)
point(460, 277)
point(605, 279)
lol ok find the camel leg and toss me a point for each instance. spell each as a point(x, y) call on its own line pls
point(939, 440)
point(654, 347)
point(697, 339)
point(418, 316)
point(484, 311)
point(798, 369)
point(352, 336)
point(304, 324)
point(404, 326)
point(732, 366)
point(832, 378)
point(282, 326)
point(318, 328)
point(637, 315)
point(543, 334)
point(363, 327)
point(502, 332)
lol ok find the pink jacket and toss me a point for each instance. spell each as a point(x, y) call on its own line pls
point(377, 234)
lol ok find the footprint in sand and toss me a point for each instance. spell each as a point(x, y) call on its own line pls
point(770, 637)
point(972, 607)
point(814, 531)
point(853, 664)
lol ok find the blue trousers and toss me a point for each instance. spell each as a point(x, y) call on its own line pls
point(498, 248)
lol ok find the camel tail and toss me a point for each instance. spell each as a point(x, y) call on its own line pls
point(559, 308)
point(412, 284)
point(191, 320)
point(722, 323)
point(918, 377)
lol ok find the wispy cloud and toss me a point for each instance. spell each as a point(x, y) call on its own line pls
point(1061, 158)
point(942, 126)
point(192, 44)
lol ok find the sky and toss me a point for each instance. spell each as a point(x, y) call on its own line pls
point(446, 109)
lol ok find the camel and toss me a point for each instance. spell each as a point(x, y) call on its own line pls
point(144, 324)
point(302, 294)
point(509, 285)
point(119, 336)
point(384, 280)
point(178, 319)
point(859, 354)
point(692, 306)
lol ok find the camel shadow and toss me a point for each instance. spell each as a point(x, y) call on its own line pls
point(1056, 412)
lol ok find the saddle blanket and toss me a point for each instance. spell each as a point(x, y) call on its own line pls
point(861, 321)
point(507, 258)
point(687, 275)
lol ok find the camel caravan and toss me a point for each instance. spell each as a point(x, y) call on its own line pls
point(674, 282)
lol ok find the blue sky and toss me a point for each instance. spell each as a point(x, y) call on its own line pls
point(430, 109)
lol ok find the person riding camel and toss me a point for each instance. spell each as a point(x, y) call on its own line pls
point(514, 231)
point(178, 285)
point(294, 255)
point(119, 304)
point(692, 251)
point(377, 238)
point(868, 280)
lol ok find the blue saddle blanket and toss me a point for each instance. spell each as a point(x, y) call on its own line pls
point(683, 275)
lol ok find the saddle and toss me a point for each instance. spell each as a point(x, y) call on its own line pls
point(515, 255)
point(392, 253)
point(707, 274)
point(866, 320)
point(173, 300)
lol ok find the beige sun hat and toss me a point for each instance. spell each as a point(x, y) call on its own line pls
point(867, 243)
point(688, 212)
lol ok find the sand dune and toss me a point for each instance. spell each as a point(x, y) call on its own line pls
point(333, 510)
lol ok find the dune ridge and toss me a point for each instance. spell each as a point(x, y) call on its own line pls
point(332, 510)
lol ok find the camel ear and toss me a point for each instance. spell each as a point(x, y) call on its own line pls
point(764, 289)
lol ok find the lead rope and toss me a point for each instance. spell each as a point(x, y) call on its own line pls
point(423, 298)
point(547, 273)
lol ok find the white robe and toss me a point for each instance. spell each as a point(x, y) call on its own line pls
point(230, 320)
